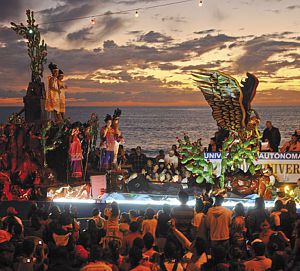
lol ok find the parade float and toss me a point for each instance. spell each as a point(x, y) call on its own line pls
point(41, 159)
point(238, 171)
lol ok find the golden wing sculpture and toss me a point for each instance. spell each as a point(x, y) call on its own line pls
point(230, 102)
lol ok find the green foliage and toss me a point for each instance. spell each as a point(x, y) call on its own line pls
point(57, 140)
point(192, 157)
point(37, 48)
point(240, 151)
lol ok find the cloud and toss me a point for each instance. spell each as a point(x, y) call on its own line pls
point(293, 7)
point(277, 97)
point(154, 37)
point(135, 32)
point(214, 65)
point(14, 10)
point(134, 2)
point(80, 35)
point(65, 10)
point(277, 11)
point(175, 19)
point(203, 44)
point(106, 26)
point(205, 32)
point(167, 66)
point(109, 25)
point(258, 50)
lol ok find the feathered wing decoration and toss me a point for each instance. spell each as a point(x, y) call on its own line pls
point(231, 103)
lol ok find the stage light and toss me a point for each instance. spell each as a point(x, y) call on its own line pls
point(137, 14)
point(93, 21)
point(200, 4)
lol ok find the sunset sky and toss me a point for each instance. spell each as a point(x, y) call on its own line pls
point(123, 60)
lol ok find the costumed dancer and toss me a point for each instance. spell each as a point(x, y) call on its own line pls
point(107, 144)
point(94, 129)
point(52, 103)
point(76, 156)
point(118, 135)
point(62, 95)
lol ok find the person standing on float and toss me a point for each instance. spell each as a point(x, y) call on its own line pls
point(62, 96)
point(118, 135)
point(107, 144)
point(52, 103)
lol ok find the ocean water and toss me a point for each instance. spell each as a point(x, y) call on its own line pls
point(155, 128)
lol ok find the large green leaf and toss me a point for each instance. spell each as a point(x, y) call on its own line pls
point(200, 179)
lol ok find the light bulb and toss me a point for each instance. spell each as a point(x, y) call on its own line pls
point(30, 31)
point(136, 14)
point(200, 3)
point(93, 21)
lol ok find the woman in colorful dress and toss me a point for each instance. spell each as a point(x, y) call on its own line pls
point(76, 156)
point(52, 103)
point(62, 96)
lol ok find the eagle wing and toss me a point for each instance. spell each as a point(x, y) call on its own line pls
point(225, 96)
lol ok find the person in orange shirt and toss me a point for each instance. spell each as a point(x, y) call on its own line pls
point(291, 146)
point(260, 262)
point(218, 220)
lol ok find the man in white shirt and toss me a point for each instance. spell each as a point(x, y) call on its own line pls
point(171, 159)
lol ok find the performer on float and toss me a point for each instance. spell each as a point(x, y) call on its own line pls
point(118, 135)
point(107, 144)
point(52, 103)
point(75, 152)
point(62, 96)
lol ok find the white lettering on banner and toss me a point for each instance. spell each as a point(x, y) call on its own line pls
point(286, 166)
point(279, 155)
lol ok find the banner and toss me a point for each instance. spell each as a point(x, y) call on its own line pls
point(286, 166)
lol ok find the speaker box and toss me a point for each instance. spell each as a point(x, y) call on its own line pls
point(140, 183)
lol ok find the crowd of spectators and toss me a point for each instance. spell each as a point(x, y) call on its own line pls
point(207, 237)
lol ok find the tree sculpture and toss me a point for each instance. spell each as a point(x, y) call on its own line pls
point(37, 51)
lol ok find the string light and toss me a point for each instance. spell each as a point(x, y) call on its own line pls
point(118, 12)
point(136, 14)
point(200, 4)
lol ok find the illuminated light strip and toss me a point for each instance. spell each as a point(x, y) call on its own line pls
point(172, 201)
point(227, 203)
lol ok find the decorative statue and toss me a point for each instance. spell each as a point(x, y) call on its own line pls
point(75, 152)
point(62, 96)
point(231, 105)
point(34, 101)
point(53, 93)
